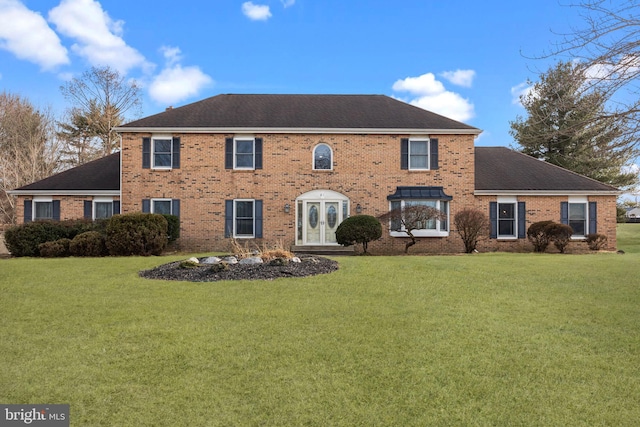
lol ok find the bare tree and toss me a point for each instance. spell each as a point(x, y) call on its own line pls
point(102, 97)
point(410, 218)
point(28, 148)
point(607, 47)
point(472, 225)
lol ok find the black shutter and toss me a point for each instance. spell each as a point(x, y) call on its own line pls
point(564, 212)
point(433, 162)
point(28, 210)
point(258, 219)
point(88, 209)
point(258, 154)
point(228, 153)
point(593, 217)
point(116, 207)
point(404, 153)
point(522, 220)
point(228, 218)
point(146, 205)
point(175, 207)
point(56, 210)
point(493, 219)
point(175, 162)
point(146, 153)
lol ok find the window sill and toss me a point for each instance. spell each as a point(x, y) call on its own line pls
point(161, 169)
point(420, 234)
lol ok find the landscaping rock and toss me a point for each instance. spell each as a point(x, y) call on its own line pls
point(210, 260)
point(251, 260)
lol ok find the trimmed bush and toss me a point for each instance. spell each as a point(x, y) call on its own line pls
point(89, 244)
point(25, 239)
point(56, 249)
point(173, 227)
point(358, 229)
point(137, 234)
point(596, 241)
point(559, 234)
point(538, 236)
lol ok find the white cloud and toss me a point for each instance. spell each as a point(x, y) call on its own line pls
point(176, 83)
point(288, 3)
point(430, 94)
point(256, 12)
point(462, 78)
point(26, 34)
point(518, 91)
point(99, 38)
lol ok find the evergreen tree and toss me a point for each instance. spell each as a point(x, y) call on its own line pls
point(568, 125)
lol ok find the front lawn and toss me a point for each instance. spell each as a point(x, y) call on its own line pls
point(486, 339)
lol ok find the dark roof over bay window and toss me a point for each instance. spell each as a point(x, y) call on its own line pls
point(299, 111)
point(503, 169)
point(419, 193)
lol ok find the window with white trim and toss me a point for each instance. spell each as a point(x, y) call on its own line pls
point(161, 147)
point(42, 209)
point(243, 218)
point(418, 154)
point(578, 216)
point(161, 206)
point(507, 218)
point(434, 227)
point(322, 157)
point(102, 208)
point(244, 153)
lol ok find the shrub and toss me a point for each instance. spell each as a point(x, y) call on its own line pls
point(173, 227)
point(56, 249)
point(90, 244)
point(137, 234)
point(596, 241)
point(538, 236)
point(559, 234)
point(471, 225)
point(25, 239)
point(358, 229)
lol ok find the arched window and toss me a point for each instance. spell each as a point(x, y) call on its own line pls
point(322, 157)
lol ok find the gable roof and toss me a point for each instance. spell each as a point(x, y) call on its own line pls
point(310, 112)
point(101, 176)
point(502, 170)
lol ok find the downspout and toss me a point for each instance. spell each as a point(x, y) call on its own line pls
point(120, 190)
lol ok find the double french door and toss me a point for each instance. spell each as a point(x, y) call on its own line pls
point(320, 219)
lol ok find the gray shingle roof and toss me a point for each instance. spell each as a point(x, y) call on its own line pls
point(99, 175)
point(503, 169)
point(299, 111)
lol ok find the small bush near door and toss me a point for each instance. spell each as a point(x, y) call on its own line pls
point(358, 229)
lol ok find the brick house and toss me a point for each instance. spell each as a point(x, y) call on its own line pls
point(290, 168)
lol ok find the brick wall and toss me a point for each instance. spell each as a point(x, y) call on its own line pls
point(71, 207)
point(366, 169)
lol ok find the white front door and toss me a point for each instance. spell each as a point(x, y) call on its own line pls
point(320, 221)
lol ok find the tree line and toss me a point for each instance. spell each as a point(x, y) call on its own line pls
point(34, 144)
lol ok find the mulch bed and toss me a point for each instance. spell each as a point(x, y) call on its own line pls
point(309, 266)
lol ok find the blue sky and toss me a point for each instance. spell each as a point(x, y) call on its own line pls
point(467, 60)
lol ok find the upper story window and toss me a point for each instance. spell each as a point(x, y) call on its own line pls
point(322, 157)
point(243, 152)
point(161, 152)
point(419, 153)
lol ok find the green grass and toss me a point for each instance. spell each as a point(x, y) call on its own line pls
point(487, 339)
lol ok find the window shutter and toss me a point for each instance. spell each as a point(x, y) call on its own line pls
point(175, 151)
point(28, 210)
point(146, 205)
point(404, 153)
point(116, 207)
point(258, 219)
point(493, 219)
point(258, 150)
point(88, 209)
point(228, 154)
point(56, 210)
point(175, 207)
point(228, 218)
point(564, 212)
point(146, 153)
point(522, 220)
point(433, 152)
point(593, 217)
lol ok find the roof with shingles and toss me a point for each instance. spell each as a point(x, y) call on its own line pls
point(503, 169)
point(98, 175)
point(299, 111)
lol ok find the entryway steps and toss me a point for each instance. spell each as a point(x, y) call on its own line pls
point(322, 250)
